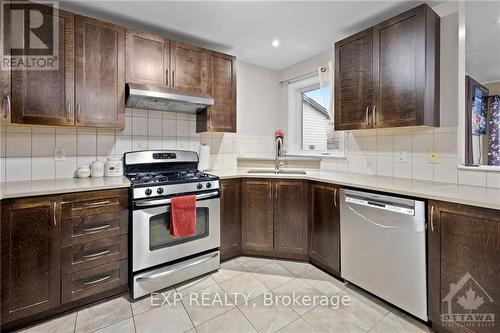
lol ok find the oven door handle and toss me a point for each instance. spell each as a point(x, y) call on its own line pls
point(168, 201)
point(154, 276)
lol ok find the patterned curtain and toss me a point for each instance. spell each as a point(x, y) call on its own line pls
point(494, 131)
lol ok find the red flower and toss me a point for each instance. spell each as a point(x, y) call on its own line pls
point(279, 134)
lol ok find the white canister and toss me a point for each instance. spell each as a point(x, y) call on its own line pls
point(83, 171)
point(113, 167)
point(97, 169)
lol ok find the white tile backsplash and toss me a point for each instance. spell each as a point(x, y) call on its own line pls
point(43, 168)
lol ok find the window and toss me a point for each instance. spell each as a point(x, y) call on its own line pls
point(311, 120)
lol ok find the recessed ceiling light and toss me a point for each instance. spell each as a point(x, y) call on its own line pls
point(275, 43)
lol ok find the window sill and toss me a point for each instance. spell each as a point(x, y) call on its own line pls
point(490, 168)
point(339, 156)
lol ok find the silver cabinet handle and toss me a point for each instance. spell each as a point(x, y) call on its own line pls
point(7, 106)
point(335, 197)
point(432, 218)
point(104, 278)
point(375, 115)
point(97, 254)
point(166, 75)
point(78, 112)
point(54, 217)
point(168, 201)
point(94, 229)
point(367, 121)
point(68, 112)
point(98, 203)
point(173, 77)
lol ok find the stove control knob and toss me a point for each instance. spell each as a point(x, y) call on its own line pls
point(209, 185)
point(148, 191)
point(199, 186)
point(159, 190)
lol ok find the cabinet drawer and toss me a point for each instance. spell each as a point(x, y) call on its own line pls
point(85, 204)
point(95, 253)
point(92, 227)
point(93, 281)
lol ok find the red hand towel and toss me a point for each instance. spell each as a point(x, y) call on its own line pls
point(183, 216)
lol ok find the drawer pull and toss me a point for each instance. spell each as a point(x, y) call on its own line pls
point(97, 254)
point(97, 203)
point(94, 229)
point(102, 279)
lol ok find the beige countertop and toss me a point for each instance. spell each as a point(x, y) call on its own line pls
point(463, 194)
point(58, 186)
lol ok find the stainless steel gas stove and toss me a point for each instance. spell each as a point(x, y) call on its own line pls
point(159, 259)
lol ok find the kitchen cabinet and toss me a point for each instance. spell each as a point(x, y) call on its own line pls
point(324, 227)
point(61, 252)
point(257, 217)
point(147, 58)
point(189, 67)
point(99, 73)
point(221, 117)
point(290, 219)
point(463, 252)
point(274, 218)
point(402, 81)
point(46, 97)
point(5, 80)
point(30, 232)
point(230, 243)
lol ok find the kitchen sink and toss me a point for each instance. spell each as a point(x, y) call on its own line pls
point(281, 171)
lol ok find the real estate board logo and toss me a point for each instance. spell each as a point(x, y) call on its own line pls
point(465, 304)
point(30, 35)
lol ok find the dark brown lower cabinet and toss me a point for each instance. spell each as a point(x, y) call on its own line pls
point(257, 217)
point(324, 227)
point(463, 268)
point(31, 237)
point(290, 219)
point(61, 252)
point(230, 231)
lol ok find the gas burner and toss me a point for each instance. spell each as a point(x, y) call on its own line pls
point(148, 178)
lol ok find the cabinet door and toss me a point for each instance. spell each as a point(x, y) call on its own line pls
point(230, 218)
point(222, 115)
point(5, 78)
point(290, 219)
point(147, 58)
point(189, 67)
point(30, 275)
point(399, 69)
point(353, 82)
point(46, 97)
point(257, 221)
point(100, 73)
point(324, 235)
point(464, 253)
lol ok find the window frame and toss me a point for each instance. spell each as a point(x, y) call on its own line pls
point(295, 122)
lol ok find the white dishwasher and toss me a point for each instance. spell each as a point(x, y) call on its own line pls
point(382, 242)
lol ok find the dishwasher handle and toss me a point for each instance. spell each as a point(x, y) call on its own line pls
point(406, 210)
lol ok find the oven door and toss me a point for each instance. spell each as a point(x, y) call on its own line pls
point(152, 241)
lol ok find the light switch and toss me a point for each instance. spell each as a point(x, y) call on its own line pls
point(432, 157)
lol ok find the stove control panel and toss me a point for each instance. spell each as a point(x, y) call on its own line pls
point(165, 190)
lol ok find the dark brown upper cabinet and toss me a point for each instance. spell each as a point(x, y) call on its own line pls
point(230, 207)
point(324, 227)
point(188, 65)
point(354, 81)
point(401, 85)
point(46, 97)
point(463, 251)
point(221, 117)
point(147, 58)
point(30, 256)
point(100, 73)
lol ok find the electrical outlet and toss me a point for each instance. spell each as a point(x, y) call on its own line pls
point(59, 154)
point(432, 157)
point(401, 156)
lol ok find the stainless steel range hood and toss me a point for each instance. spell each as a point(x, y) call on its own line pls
point(150, 97)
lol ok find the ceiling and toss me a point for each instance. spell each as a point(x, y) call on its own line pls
point(482, 40)
point(247, 28)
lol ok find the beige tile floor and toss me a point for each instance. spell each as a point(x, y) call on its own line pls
point(258, 277)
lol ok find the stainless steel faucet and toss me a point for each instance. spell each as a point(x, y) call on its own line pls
point(278, 153)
